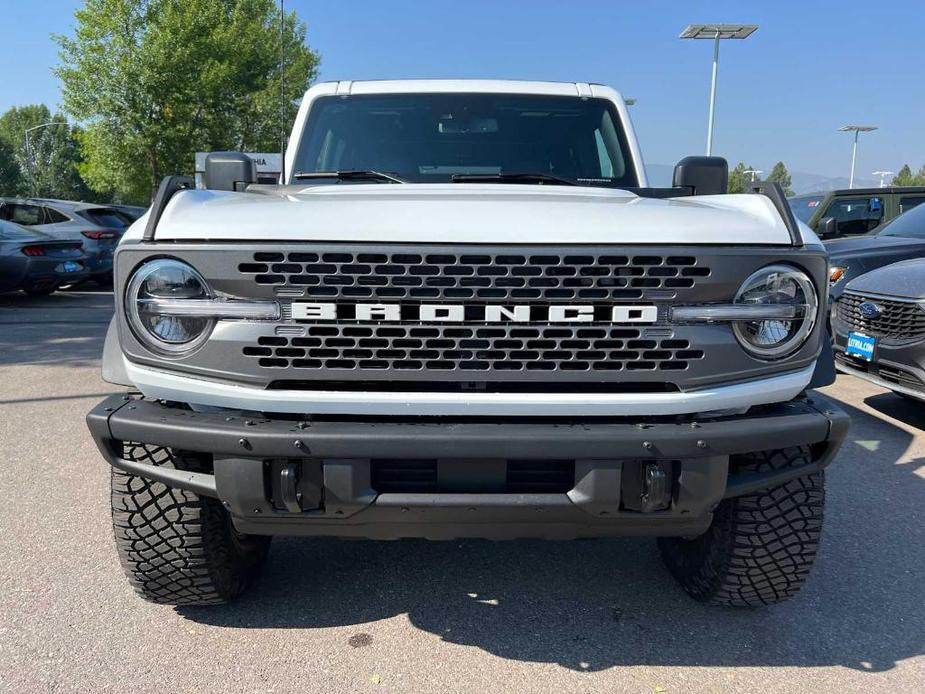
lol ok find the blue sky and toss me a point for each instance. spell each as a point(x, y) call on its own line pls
point(810, 68)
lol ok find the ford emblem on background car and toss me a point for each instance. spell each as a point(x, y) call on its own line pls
point(870, 310)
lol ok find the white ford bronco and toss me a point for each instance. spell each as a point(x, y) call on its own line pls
point(464, 313)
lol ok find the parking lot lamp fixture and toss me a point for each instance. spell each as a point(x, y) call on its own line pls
point(30, 154)
point(856, 129)
point(882, 175)
point(716, 32)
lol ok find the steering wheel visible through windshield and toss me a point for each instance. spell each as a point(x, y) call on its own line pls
point(430, 138)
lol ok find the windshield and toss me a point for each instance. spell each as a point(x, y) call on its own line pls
point(804, 206)
point(911, 223)
point(429, 138)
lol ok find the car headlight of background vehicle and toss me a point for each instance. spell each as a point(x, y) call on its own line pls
point(151, 287)
point(791, 293)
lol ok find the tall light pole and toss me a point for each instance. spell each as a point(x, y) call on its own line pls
point(282, 93)
point(856, 129)
point(716, 32)
point(30, 153)
point(882, 175)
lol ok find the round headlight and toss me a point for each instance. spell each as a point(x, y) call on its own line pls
point(153, 282)
point(777, 285)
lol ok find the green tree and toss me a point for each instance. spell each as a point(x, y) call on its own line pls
point(9, 170)
point(44, 154)
point(154, 81)
point(904, 177)
point(740, 178)
point(779, 174)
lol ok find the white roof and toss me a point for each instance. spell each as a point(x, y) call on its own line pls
point(418, 86)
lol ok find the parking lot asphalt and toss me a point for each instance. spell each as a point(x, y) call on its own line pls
point(339, 616)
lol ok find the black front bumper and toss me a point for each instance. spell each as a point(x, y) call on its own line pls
point(38, 272)
point(263, 469)
point(896, 365)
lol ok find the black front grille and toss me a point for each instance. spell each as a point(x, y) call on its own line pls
point(404, 476)
point(898, 320)
point(540, 476)
point(900, 377)
point(484, 276)
point(399, 476)
point(890, 374)
point(447, 348)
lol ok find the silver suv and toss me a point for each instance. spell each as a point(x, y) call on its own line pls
point(98, 227)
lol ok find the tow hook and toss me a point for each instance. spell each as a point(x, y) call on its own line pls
point(647, 485)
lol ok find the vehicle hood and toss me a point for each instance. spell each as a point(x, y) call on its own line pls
point(905, 279)
point(467, 213)
point(869, 245)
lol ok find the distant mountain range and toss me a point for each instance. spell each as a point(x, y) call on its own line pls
point(660, 175)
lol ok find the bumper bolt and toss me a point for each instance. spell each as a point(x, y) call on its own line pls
point(244, 443)
point(647, 445)
point(701, 444)
point(298, 444)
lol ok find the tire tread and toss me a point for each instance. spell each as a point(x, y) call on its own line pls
point(175, 546)
point(760, 547)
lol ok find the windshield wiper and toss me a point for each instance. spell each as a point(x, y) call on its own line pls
point(539, 178)
point(350, 175)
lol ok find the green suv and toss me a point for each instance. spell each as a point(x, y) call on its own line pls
point(854, 211)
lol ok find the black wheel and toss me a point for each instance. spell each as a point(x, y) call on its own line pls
point(760, 547)
point(40, 290)
point(177, 547)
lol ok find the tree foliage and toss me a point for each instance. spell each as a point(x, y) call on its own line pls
point(9, 170)
point(739, 179)
point(780, 175)
point(39, 154)
point(154, 81)
point(905, 177)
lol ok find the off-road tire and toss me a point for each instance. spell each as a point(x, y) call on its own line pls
point(760, 547)
point(177, 547)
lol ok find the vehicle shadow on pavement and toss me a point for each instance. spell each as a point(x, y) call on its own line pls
point(65, 329)
point(907, 411)
point(591, 605)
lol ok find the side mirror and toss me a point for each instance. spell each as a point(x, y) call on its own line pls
point(705, 175)
point(827, 228)
point(229, 171)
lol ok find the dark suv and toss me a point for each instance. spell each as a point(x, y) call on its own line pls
point(854, 211)
point(901, 239)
